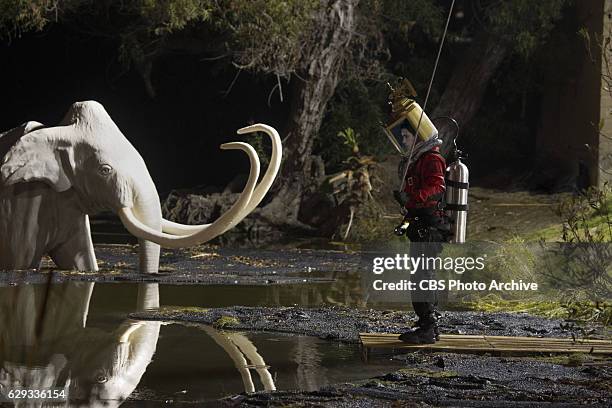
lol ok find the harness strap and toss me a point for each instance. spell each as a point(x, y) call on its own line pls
point(435, 197)
point(456, 207)
point(457, 184)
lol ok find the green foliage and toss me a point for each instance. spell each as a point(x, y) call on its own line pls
point(583, 258)
point(349, 137)
point(266, 36)
point(357, 106)
point(512, 260)
point(276, 36)
point(524, 24)
point(368, 225)
point(399, 17)
point(19, 16)
point(351, 189)
point(258, 140)
point(134, 16)
point(576, 266)
point(587, 216)
point(171, 15)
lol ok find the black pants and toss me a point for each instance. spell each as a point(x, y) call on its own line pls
point(425, 241)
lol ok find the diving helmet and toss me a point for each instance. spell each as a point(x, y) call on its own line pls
point(408, 126)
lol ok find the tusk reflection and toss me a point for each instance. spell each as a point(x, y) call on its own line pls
point(239, 348)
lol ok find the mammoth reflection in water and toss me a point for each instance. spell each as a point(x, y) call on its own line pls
point(45, 343)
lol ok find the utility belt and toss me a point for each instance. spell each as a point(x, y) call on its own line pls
point(425, 219)
point(430, 216)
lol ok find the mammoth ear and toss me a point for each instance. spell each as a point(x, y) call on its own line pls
point(40, 156)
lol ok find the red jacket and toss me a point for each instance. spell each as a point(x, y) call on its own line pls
point(424, 182)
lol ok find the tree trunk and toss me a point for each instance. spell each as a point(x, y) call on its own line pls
point(319, 76)
point(464, 93)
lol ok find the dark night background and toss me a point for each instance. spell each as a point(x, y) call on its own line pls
point(178, 133)
point(525, 109)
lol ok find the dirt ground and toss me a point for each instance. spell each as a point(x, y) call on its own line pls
point(428, 379)
point(498, 215)
point(448, 380)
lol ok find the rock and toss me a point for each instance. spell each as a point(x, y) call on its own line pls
point(396, 376)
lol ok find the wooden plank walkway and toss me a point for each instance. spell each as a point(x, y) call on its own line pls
point(456, 343)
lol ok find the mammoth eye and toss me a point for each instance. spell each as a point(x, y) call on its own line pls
point(105, 170)
point(101, 379)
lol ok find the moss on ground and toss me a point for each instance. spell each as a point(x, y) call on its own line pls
point(570, 360)
point(423, 372)
point(580, 310)
point(225, 322)
point(170, 311)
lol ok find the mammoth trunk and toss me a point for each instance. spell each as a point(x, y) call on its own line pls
point(148, 210)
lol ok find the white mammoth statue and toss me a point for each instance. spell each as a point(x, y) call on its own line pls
point(52, 178)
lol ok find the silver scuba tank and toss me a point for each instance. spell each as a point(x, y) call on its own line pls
point(457, 185)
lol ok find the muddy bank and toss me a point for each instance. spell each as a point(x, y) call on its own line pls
point(168, 278)
point(500, 215)
point(344, 324)
point(207, 265)
point(428, 378)
point(442, 379)
point(239, 261)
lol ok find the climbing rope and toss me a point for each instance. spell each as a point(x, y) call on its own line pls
point(433, 75)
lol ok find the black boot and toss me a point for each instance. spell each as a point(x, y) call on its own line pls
point(436, 317)
point(426, 332)
point(421, 335)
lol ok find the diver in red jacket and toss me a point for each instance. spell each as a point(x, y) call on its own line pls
point(425, 225)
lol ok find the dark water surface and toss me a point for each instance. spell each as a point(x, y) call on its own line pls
point(190, 365)
point(75, 336)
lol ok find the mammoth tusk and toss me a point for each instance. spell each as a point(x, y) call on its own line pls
point(224, 222)
point(259, 193)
